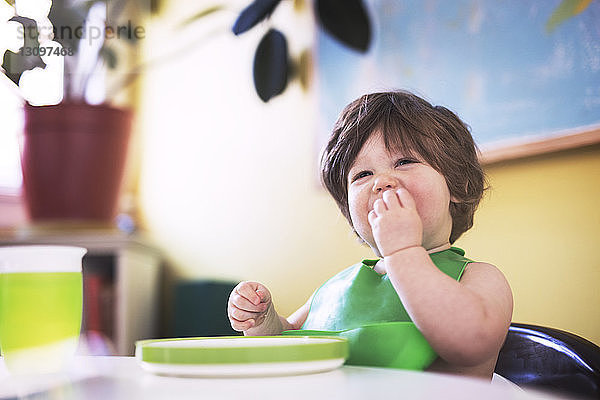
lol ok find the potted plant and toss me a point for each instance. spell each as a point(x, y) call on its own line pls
point(74, 152)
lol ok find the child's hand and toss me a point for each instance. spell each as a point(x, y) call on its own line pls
point(395, 222)
point(247, 306)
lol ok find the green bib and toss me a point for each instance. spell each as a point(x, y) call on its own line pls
point(363, 306)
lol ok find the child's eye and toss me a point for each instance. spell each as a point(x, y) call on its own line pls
point(405, 161)
point(361, 174)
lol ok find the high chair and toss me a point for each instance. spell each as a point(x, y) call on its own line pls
point(550, 359)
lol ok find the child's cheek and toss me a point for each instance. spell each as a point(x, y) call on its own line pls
point(359, 210)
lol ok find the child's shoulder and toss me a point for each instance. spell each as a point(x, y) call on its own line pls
point(482, 268)
point(488, 280)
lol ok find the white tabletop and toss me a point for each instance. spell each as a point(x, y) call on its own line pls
point(118, 378)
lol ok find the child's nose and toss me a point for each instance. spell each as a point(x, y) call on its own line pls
point(384, 182)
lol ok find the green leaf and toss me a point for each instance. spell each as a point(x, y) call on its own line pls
point(200, 15)
point(109, 56)
point(10, 2)
point(11, 67)
point(271, 65)
point(253, 14)
point(347, 21)
point(16, 63)
point(564, 11)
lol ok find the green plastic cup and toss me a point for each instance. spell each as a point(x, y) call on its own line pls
point(40, 307)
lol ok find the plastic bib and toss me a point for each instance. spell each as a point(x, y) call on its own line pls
point(362, 306)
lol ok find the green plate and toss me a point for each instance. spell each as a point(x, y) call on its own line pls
point(241, 355)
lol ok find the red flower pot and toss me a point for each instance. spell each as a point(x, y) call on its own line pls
point(73, 160)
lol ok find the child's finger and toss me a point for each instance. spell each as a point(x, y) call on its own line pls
point(391, 199)
point(244, 304)
point(248, 291)
point(241, 315)
point(241, 326)
point(379, 206)
point(371, 216)
point(406, 199)
point(263, 294)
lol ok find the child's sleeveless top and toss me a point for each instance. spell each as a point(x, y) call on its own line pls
point(363, 306)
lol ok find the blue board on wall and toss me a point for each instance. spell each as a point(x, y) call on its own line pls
point(493, 62)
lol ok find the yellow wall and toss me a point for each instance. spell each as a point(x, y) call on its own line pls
point(228, 185)
point(540, 223)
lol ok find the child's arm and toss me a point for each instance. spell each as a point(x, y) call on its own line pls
point(250, 310)
point(465, 322)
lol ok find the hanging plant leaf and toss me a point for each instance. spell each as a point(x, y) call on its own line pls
point(253, 14)
point(347, 21)
point(271, 65)
point(16, 63)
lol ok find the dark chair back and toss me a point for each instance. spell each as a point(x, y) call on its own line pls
point(200, 309)
point(550, 359)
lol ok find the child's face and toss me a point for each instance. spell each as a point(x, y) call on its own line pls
point(376, 170)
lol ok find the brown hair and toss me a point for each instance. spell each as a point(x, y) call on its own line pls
point(413, 126)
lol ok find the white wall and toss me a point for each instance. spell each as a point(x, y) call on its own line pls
point(229, 185)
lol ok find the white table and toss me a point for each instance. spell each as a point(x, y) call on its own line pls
point(115, 378)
